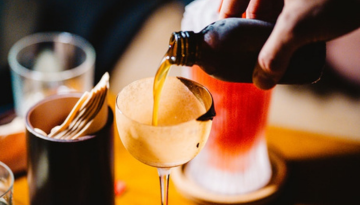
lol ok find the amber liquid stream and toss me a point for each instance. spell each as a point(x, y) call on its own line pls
point(159, 81)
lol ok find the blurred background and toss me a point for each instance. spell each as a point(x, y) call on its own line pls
point(131, 37)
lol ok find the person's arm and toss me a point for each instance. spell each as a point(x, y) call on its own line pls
point(300, 22)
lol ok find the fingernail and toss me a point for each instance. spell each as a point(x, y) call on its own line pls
point(261, 79)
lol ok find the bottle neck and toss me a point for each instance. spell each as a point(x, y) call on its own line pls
point(183, 48)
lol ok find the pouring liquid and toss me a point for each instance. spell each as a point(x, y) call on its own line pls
point(159, 81)
point(160, 77)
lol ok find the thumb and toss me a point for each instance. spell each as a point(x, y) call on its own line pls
point(274, 57)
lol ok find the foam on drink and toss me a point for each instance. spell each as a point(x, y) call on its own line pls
point(177, 103)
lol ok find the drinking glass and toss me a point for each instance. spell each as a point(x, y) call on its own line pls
point(6, 184)
point(169, 144)
point(44, 64)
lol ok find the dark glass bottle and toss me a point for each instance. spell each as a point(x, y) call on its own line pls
point(228, 49)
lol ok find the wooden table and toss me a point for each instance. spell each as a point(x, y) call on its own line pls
point(322, 170)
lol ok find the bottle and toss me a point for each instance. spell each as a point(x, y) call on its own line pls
point(228, 50)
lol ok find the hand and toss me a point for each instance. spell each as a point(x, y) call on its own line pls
point(298, 23)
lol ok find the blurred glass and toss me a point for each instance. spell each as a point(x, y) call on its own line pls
point(6, 184)
point(44, 64)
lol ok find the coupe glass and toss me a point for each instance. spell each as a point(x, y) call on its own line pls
point(179, 136)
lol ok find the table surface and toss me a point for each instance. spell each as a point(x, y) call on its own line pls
point(322, 170)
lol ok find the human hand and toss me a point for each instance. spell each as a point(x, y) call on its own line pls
point(298, 23)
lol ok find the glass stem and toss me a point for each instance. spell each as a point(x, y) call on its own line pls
point(164, 176)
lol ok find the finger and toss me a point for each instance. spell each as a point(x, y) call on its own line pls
point(264, 9)
point(274, 57)
point(233, 8)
